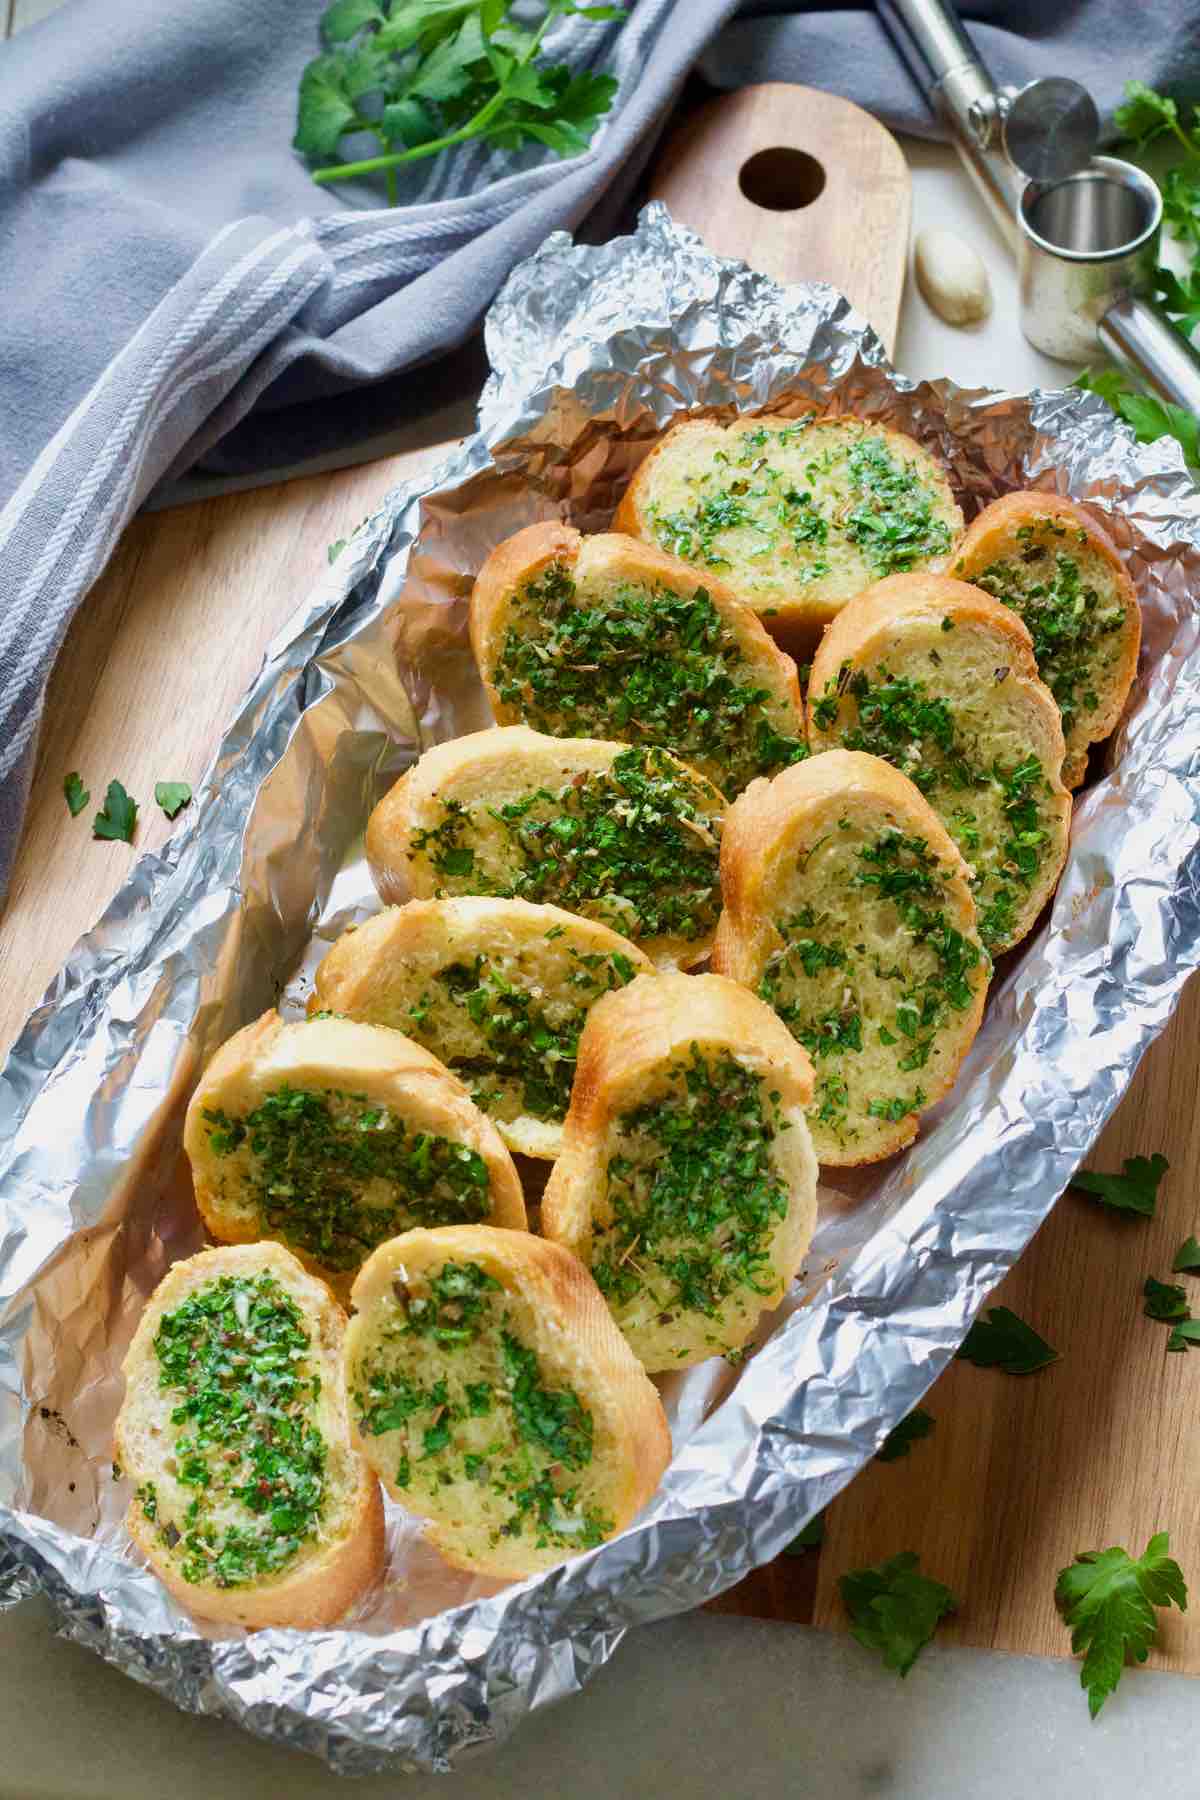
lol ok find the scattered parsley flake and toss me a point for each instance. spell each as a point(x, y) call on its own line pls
point(1134, 1190)
point(1166, 1301)
point(1004, 1341)
point(77, 796)
point(118, 820)
point(908, 1432)
point(172, 796)
point(1187, 1258)
point(811, 1538)
point(895, 1609)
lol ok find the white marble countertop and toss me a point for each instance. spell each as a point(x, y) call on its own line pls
point(704, 1705)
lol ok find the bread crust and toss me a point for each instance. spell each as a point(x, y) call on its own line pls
point(321, 1583)
point(775, 821)
point(385, 1066)
point(486, 767)
point(575, 1339)
point(632, 1038)
point(870, 630)
point(367, 968)
point(984, 544)
point(617, 556)
point(792, 609)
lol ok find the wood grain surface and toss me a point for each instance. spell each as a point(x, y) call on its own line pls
point(832, 192)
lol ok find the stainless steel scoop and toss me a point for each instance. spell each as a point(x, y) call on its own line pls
point(1085, 228)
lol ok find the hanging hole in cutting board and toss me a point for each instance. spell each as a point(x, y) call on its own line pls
point(781, 179)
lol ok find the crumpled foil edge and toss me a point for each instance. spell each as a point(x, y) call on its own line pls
point(632, 331)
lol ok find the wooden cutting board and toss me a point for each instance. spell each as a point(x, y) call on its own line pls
point(1019, 1474)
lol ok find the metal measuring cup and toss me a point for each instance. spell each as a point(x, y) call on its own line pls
point(1085, 228)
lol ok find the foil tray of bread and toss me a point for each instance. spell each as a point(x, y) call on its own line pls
point(564, 1097)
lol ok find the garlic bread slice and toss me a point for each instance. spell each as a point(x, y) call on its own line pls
point(498, 990)
point(1057, 568)
point(687, 1182)
point(331, 1136)
point(626, 836)
point(939, 679)
point(252, 1504)
point(796, 515)
point(607, 637)
point(497, 1400)
point(848, 908)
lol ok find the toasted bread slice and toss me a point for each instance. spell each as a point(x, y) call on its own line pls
point(496, 1398)
point(252, 1505)
point(939, 679)
point(607, 637)
point(796, 515)
point(497, 989)
point(332, 1136)
point(628, 837)
point(1055, 566)
point(848, 907)
point(687, 1183)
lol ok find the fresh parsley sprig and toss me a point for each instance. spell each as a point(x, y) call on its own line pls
point(1109, 1599)
point(118, 818)
point(917, 1425)
point(420, 76)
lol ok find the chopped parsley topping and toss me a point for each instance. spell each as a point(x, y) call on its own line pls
point(632, 845)
point(1002, 831)
point(1073, 631)
point(524, 1057)
point(693, 1198)
point(854, 493)
point(237, 1356)
point(334, 1175)
point(840, 998)
point(518, 1439)
point(644, 665)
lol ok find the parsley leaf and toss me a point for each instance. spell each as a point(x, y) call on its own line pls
point(894, 1609)
point(1186, 1333)
point(1165, 1301)
point(1108, 1600)
point(420, 76)
point(811, 1538)
point(335, 549)
point(1149, 419)
point(1004, 1341)
point(1135, 1189)
point(1146, 115)
point(119, 817)
point(1187, 1258)
point(908, 1432)
point(1181, 206)
point(77, 796)
point(172, 796)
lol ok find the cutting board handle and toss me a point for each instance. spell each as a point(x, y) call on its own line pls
point(799, 184)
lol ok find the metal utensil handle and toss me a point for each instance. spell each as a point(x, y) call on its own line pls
point(1138, 337)
point(959, 89)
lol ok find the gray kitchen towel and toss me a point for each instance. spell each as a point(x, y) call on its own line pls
point(178, 295)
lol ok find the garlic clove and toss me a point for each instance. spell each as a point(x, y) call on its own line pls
point(951, 276)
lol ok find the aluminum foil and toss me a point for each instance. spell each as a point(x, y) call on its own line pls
point(594, 351)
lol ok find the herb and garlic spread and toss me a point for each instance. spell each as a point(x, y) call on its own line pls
point(236, 1357)
point(645, 665)
point(818, 508)
point(333, 1174)
point(692, 1203)
point(449, 1378)
point(1056, 584)
point(870, 974)
point(991, 810)
point(635, 846)
point(508, 1035)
